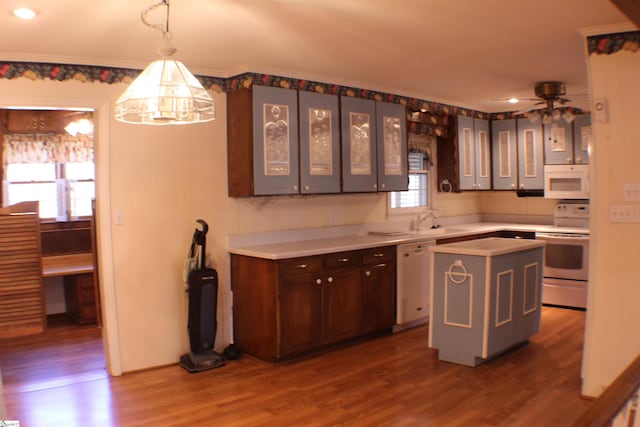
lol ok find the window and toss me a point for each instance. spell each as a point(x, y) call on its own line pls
point(56, 170)
point(60, 198)
point(418, 196)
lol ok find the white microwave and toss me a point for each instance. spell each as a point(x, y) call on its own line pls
point(566, 181)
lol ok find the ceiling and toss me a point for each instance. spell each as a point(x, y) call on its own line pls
point(468, 53)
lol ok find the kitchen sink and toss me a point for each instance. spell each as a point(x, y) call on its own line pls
point(435, 231)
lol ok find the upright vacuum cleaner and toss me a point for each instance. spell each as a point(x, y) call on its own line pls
point(202, 287)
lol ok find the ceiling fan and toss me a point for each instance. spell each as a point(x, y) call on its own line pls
point(550, 95)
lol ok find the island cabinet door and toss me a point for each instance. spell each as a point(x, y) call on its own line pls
point(299, 314)
point(514, 300)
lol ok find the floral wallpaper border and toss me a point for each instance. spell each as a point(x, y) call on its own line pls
point(606, 44)
point(437, 113)
point(110, 75)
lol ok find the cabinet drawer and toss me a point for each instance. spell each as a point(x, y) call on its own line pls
point(378, 255)
point(342, 260)
point(296, 266)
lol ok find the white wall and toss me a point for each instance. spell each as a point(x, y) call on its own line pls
point(611, 340)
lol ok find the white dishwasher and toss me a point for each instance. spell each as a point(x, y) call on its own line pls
point(413, 284)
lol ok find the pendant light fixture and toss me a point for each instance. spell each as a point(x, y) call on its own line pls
point(165, 93)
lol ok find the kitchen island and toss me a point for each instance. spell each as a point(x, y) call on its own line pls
point(486, 297)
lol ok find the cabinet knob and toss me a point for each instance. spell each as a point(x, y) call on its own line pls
point(295, 187)
point(513, 185)
point(302, 265)
point(318, 281)
point(367, 273)
point(478, 185)
point(383, 185)
point(306, 187)
point(521, 185)
point(375, 186)
point(569, 159)
point(330, 279)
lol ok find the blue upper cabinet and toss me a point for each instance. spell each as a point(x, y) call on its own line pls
point(558, 143)
point(503, 141)
point(581, 138)
point(391, 125)
point(275, 141)
point(262, 141)
point(466, 153)
point(359, 149)
point(482, 154)
point(474, 154)
point(319, 143)
point(530, 166)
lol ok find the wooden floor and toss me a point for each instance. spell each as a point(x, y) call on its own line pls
point(59, 380)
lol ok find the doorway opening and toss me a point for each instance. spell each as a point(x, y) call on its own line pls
point(48, 157)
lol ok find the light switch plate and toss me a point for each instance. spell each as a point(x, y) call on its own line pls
point(624, 213)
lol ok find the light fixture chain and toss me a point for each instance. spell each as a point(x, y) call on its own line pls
point(164, 29)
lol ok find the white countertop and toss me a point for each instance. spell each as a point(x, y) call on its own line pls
point(491, 246)
point(301, 243)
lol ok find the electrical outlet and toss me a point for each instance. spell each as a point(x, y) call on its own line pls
point(332, 218)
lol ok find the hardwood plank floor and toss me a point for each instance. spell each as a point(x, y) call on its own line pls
point(59, 379)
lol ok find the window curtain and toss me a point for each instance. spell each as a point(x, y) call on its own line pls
point(421, 143)
point(46, 148)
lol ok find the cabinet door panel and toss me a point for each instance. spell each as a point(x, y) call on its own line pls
point(378, 297)
point(342, 305)
point(558, 147)
point(530, 167)
point(359, 161)
point(482, 155)
point(504, 154)
point(392, 147)
point(300, 317)
point(319, 143)
point(582, 137)
point(275, 140)
point(466, 152)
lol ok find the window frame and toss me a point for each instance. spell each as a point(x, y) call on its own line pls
point(63, 194)
point(431, 189)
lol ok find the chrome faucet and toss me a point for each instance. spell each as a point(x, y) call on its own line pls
point(422, 217)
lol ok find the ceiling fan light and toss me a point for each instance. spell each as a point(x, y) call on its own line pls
point(547, 119)
point(556, 115)
point(534, 117)
point(568, 116)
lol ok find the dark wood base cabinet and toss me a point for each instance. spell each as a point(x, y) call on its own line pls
point(287, 308)
point(80, 298)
